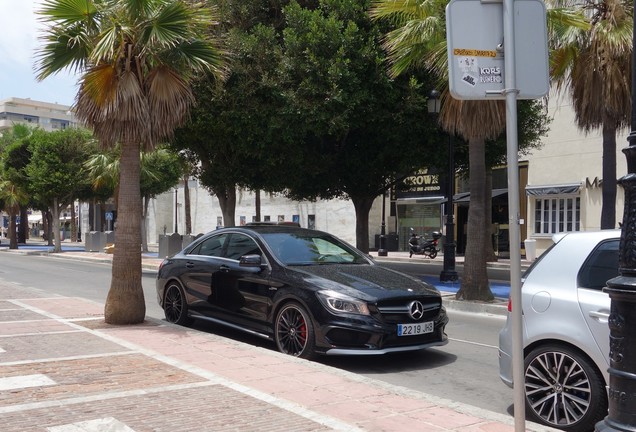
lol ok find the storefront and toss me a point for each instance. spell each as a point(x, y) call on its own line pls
point(418, 204)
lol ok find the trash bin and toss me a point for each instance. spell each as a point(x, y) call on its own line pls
point(531, 249)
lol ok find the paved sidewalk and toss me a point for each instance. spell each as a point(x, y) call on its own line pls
point(62, 369)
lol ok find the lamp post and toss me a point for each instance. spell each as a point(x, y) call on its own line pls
point(622, 292)
point(382, 249)
point(448, 274)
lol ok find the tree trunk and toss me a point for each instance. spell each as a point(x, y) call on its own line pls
point(49, 227)
point(144, 230)
point(73, 223)
point(474, 284)
point(362, 207)
point(227, 201)
point(489, 250)
point(23, 227)
point(56, 226)
point(186, 203)
point(125, 301)
point(13, 235)
point(257, 204)
point(608, 209)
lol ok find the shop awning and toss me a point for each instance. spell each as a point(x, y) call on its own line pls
point(464, 197)
point(556, 189)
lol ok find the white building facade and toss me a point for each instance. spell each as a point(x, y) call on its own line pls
point(48, 116)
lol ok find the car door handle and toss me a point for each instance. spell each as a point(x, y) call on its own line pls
point(189, 264)
point(224, 268)
point(601, 316)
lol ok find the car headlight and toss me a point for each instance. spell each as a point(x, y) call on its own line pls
point(340, 303)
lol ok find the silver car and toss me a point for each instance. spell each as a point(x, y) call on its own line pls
point(565, 331)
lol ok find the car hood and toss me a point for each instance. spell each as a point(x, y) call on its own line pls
point(367, 282)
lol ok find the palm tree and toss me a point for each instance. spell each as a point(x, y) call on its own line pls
point(419, 40)
point(137, 60)
point(592, 65)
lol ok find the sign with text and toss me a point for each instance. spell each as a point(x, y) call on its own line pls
point(476, 49)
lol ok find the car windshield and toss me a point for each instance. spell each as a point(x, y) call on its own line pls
point(308, 249)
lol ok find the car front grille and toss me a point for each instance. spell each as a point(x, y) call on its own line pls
point(397, 311)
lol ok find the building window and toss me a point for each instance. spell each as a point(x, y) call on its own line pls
point(311, 221)
point(557, 214)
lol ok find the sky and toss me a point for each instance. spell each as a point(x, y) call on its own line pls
point(18, 44)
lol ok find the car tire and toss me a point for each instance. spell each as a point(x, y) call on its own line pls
point(563, 389)
point(175, 306)
point(294, 331)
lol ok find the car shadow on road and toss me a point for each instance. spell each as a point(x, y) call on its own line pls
point(391, 363)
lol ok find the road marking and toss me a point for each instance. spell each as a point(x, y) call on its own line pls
point(98, 425)
point(474, 343)
point(24, 381)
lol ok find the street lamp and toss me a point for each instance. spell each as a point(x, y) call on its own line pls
point(382, 249)
point(622, 292)
point(448, 273)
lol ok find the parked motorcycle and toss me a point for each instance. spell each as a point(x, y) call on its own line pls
point(420, 246)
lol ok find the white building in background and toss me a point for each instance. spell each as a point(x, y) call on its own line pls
point(48, 116)
point(335, 216)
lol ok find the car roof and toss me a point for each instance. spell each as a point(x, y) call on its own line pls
point(271, 228)
point(589, 235)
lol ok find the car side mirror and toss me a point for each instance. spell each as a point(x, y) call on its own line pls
point(251, 261)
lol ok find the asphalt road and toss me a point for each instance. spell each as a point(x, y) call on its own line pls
point(465, 370)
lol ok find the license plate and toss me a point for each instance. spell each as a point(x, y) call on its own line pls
point(415, 329)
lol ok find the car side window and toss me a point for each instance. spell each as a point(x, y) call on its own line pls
point(600, 266)
point(212, 246)
point(240, 245)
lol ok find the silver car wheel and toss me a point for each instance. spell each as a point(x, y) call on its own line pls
point(562, 389)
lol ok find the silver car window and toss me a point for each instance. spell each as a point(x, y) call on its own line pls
point(600, 266)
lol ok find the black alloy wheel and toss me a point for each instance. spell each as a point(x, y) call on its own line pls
point(175, 306)
point(294, 331)
point(563, 389)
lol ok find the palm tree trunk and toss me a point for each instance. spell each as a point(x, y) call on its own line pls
point(125, 301)
point(608, 209)
point(362, 207)
point(474, 284)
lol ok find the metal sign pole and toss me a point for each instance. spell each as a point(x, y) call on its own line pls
point(511, 91)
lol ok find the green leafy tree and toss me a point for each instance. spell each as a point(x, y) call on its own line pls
point(56, 170)
point(16, 155)
point(359, 129)
point(235, 130)
point(591, 65)
point(137, 59)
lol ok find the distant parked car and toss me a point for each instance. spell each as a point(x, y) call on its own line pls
point(306, 290)
point(565, 331)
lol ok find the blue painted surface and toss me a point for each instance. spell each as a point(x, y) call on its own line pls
point(498, 288)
